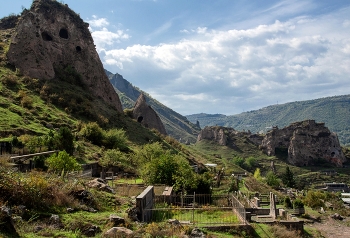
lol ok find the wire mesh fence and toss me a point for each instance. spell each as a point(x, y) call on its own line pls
point(199, 209)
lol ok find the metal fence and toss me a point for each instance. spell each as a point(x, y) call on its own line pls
point(199, 209)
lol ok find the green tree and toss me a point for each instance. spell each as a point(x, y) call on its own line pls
point(234, 185)
point(297, 203)
point(314, 199)
point(113, 157)
point(288, 178)
point(161, 170)
point(115, 138)
point(92, 132)
point(272, 180)
point(65, 140)
point(148, 152)
point(62, 162)
point(257, 174)
point(238, 161)
point(250, 163)
point(288, 203)
point(49, 140)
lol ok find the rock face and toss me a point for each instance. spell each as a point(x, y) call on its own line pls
point(306, 142)
point(216, 134)
point(227, 135)
point(50, 37)
point(145, 115)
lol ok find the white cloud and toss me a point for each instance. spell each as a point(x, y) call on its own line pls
point(98, 22)
point(103, 37)
point(227, 71)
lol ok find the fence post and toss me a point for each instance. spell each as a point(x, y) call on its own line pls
point(194, 200)
point(182, 200)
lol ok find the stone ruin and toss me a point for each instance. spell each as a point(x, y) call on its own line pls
point(50, 37)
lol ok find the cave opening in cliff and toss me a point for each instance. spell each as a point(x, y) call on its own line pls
point(63, 33)
point(139, 119)
point(78, 48)
point(281, 153)
point(46, 36)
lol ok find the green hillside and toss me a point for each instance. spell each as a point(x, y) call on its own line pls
point(176, 125)
point(333, 111)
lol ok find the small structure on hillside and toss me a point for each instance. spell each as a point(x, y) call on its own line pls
point(336, 187)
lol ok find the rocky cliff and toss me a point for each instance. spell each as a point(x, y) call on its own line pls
point(175, 124)
point(307, 143)
point(227, 136)
point(216, 134)
point(145, 115)
point(50, 37)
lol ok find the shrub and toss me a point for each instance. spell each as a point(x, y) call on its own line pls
point(34, 190)
point(10, 80)
point(287, 203)
point(297, 203)
point(250, 163)
point(27, 102)
point(272, 180)
point(62, 162)
point(92, 132)
point(314, 199)
point(238, 161)
point(64, 140)
point(115, 138)
point(128, 112)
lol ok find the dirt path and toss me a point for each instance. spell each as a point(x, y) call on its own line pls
point(330, 228)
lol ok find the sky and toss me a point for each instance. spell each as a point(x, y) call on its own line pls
point(222, 56)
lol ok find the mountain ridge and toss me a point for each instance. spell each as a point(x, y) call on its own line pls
point(333, 111)
point(176, 125)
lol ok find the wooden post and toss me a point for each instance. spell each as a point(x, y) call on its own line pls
point(194, 200)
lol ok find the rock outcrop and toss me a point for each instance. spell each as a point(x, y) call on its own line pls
point(145, 115)
point(226, 135)
point(214, 133)
point(306, 142)
point(51, 37)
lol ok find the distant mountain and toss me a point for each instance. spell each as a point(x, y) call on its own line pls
point(333, 111)
point(176, 125)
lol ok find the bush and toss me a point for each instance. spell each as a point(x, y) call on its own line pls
point(272, 180)
point(297, 203)
point(287, 203)
point(115, 138)
point(62, 162)
point(34, 190)
point(238, 161)
point(10, 80)
point(129, 112)
point(314, 199)
point(27, 102)
point(65, 140)
point(92, 132)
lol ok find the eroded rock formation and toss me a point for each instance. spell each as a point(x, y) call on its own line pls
point(145, 115)
point(214, 133)
point(227, 136)
point(50, 37)
point(306, 142)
